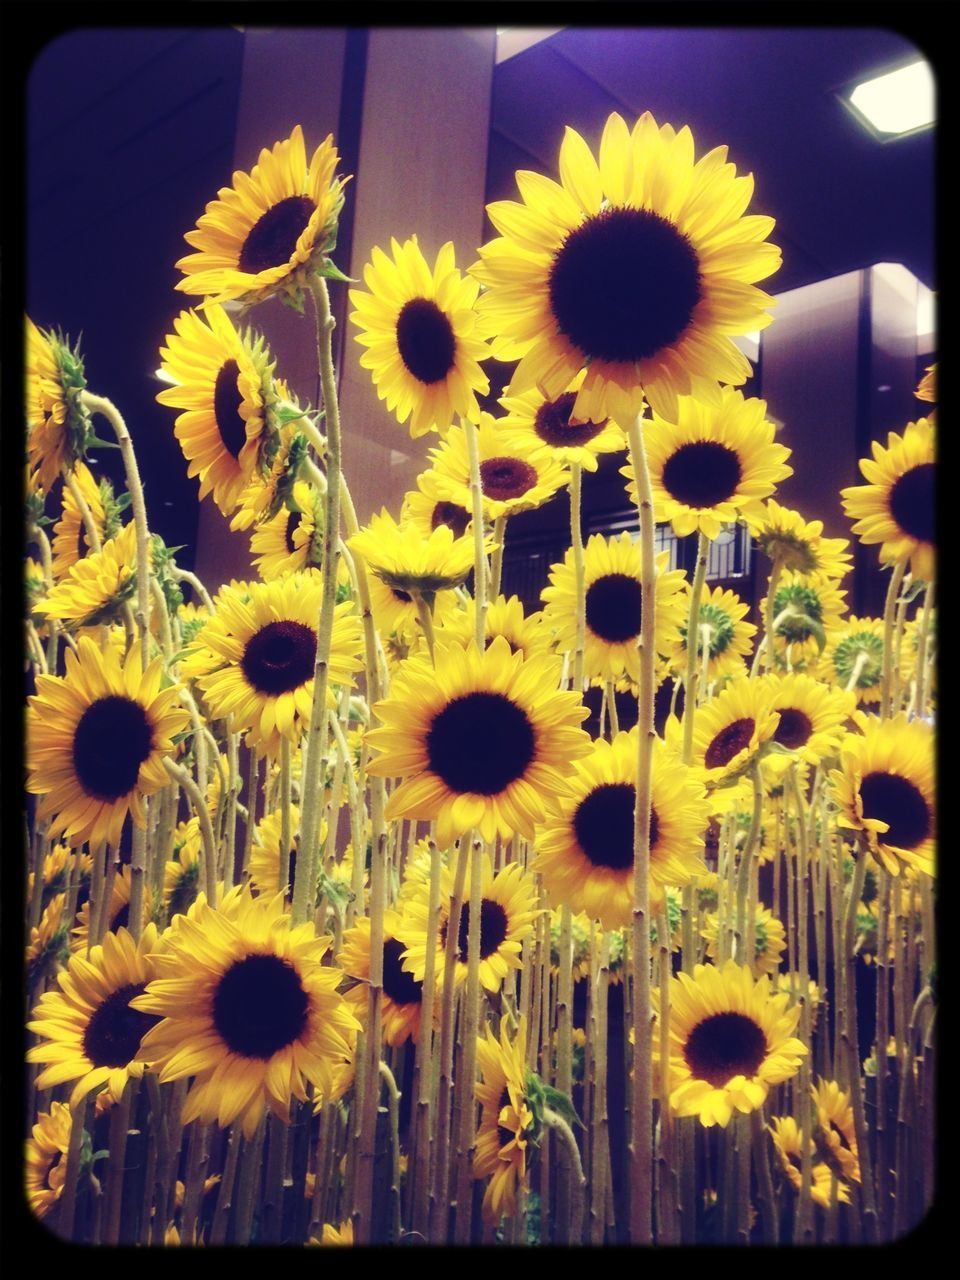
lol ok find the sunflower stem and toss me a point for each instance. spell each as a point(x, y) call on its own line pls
point(471, 1026)
point(902, 604)
point(882, 1035)
point(286, 840)
point(94, 542)
point(693, 627)
point(568, 1144)
point(576, 542)
point(918, 700)
point(425, 1054)
point(248, 1192)
point(393, 1107)
point(889, 610)
point(496, 562)
point(179, 774)
point(138, 870)
point(253, 786)
point(426, 620)
point(852, 1047)
point(184, 575)
point(225, 1196)
point(668, 1232)
point(480, 567)
point(601, 1122)
point(564, 1077)
point(770, 623)
point(803, 1231)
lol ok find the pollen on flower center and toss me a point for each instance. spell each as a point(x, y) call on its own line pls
point(111, 741)
point(425, 340)
point(731, 740)
point(725, 1045)
point(272, 239)
point(260, 1006)
point(505, 478)
point(552, 423)
point(227, 401)
point(480, 743)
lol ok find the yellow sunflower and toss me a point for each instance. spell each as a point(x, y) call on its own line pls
point(118, 910)
point(395, 611)
point(265, 853)
point(405, 558)
point(248, 1007)
point(639, 269)
point(813, 718)
point(420, 332)
point(69, 533)
point(46, 1163)
point(92, 589)
point(96, 739)
point(525, 634)
point(711, 463)
point(47, 944)
point(483, 740)
point(722, 631)
point(730, 1040)
point(58, 426)
point(585, 854)
point(854, 654)
point(835, 1113)
point(182, 872)
point(292, 539)
point(612, 582)
point(885, 790)
point(770, 939)
point(547, 427)
point(223, 385)
point(89, 1031)
point(511, 477)
point(255, 659)
point(342, 1235)
point(266, 233)
point(897, 508)
point(402, 992)
point(274, 476)
point(507, 914)
point(506, 1120)
point(806, 608)
point(729, 731)
point(927, 388)
point(784, 535)
point(427, 513)
point(788, 1141)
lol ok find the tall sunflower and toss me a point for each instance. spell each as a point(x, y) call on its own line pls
point(402, 991)
point(835, 1113)
point(482, 740)
point(806, 608)
point(419, 328)
point(639, 269)
point(730, 1040)
point(769, 939)
point(96, 739)
point(729, 731)
point(612, 576)
point(784, 535)
point(395, 611)
point(290, 540)
point(788, 1141)
point(271, 229)
point(265, 854)
point(69, 533)
point(854, 654)
point(897, 508)
point(93, 589)
point(407, 560)
point(585, 853)
point(813, 717)
point(547, 427)
point(248, 1008)
point(711, 462)
point(526, 634)
point(506, 1120)
point(722, 631)
point(46, 1158)
point(58, 426)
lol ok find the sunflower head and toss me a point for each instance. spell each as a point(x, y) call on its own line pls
point(548, 427)
point(406, 560)
point(853, 657)
point(729, 731)
point(785, 537)
point(59, 429)
point(927, 387)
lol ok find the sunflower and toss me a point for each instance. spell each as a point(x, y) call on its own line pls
point(639, 269)
point(729, 731)
point(402, 992)
point(47, 946)
point(427, 513)
point(93, 589)
point(897, 508)
point(927, 387)
point(420, 331)
point(342, 1235)
point(730, 1040)
point(835, 1113)
point(255, 659)
point(770, 940)
point(407, 560)
point(547, 427)
point(783, 535)
point(61, 865)
point(788, 1141)
point(885, 790)
point(181, 877)
point(69, 533)
point(507, 914)
point(395, 611)
point(854, 653)
point(96, 739)
point(711, 463)
point(58, 426)
point(90, 1033)
point(506, 1120)
point(512, 479)
point(586, 853)
point(274, 477)
point(579, 944)
point(722, 631)
point(248, 1007)
point(265, 853)
point(118, 911)
point(292, 539)
point(613, 600)
point(813, 717)
point(525, 634)
point(483, 740)
point(268, 232)
point(46, 1165)
point(806, 607)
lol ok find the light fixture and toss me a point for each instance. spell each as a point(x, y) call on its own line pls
point(897, 102)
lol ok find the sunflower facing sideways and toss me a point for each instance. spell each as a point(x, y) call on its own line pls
point(419, 328)
point(402, 992)
point(46, 1158)
point(585, 854)
point(730, 1040)
point(785, 537)
point(613, 602)
point(897, 508)
point(291, 540)
point(788, 1141)
point(711, 463)
point(69, 533)
point(58, 426)
point(96, 739)
point(93, 589)
point(266, 234)
point(506, 1121)
point(403, 557)
point(853, 657)
point(639, 269)
point(482, 740)
point(548, 427)
point(835, 1113)
point(245, 1004)
point(806, 608)
point(729, 731)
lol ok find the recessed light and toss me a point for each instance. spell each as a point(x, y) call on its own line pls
point(896, 102)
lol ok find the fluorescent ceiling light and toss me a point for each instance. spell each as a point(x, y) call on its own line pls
point(897, 102)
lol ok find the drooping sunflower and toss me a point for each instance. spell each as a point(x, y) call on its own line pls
point(90, 1032)
point(547, 427)
point(69, 533)
point(585, 854)
point(46, 1162)
point(255, 659)
point(402, 992)
point(247, 1006)
point(426, 513)
point(506, 1120)
point(639, 269)
point(813, 717)
point(96, 739)
point(292, 539)
point(58, 426)
point(483, 740)
point(729, 730)
point(729, 637)
point(612, 573)
point(788, 1141)
point(266, 233)
point(806, 608)
point(769, 939)
point(524, 633)
point(835, 1113)
point(274, 476)
point(854, 654)
point(885, 789)
point(783, 535)
point(897, 507)
point(94, 588)
point(507, 915)
point(730, 1040)
point(395, 611)
point(420, 331)
point(404, 558)
point(711, 463)
point(512, 478)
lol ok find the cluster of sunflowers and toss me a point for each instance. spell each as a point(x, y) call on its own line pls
point(341, 926)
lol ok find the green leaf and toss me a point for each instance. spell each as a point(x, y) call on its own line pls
point(562, 1105)
point(331, 271)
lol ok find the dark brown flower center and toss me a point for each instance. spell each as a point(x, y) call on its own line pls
point(227, 402)
point(293, 523)
point(603, 825)
point(112, 739)
point(493, 929)
point(912, 502)
point(892, 799)
point(425, 340)
point(552, 423)
point(398, 984)
point(702, 473)
point(272, 239)
point(260, 1006)
point(280, 657)
point(723, 1046)
point(481, 743)
point(728, 742)
point(453, 516)
point(505, 1135)
point(613, 608)
point(403, 596)
point(624, 285)
point(114, 1031)
point(794, 729)
point(504, 478)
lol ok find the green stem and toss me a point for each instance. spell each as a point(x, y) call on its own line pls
point(179, 774)
point(889, 609)
point(496, 566)
point(479, 555)
point(571, 1151)
point(693, 624)
point(576, 542)
point(770, 629)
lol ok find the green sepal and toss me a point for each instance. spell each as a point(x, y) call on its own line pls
point(330, 271)
point(338, 891)
point(562, 1105)
point(774, 748)
point(94, 441)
